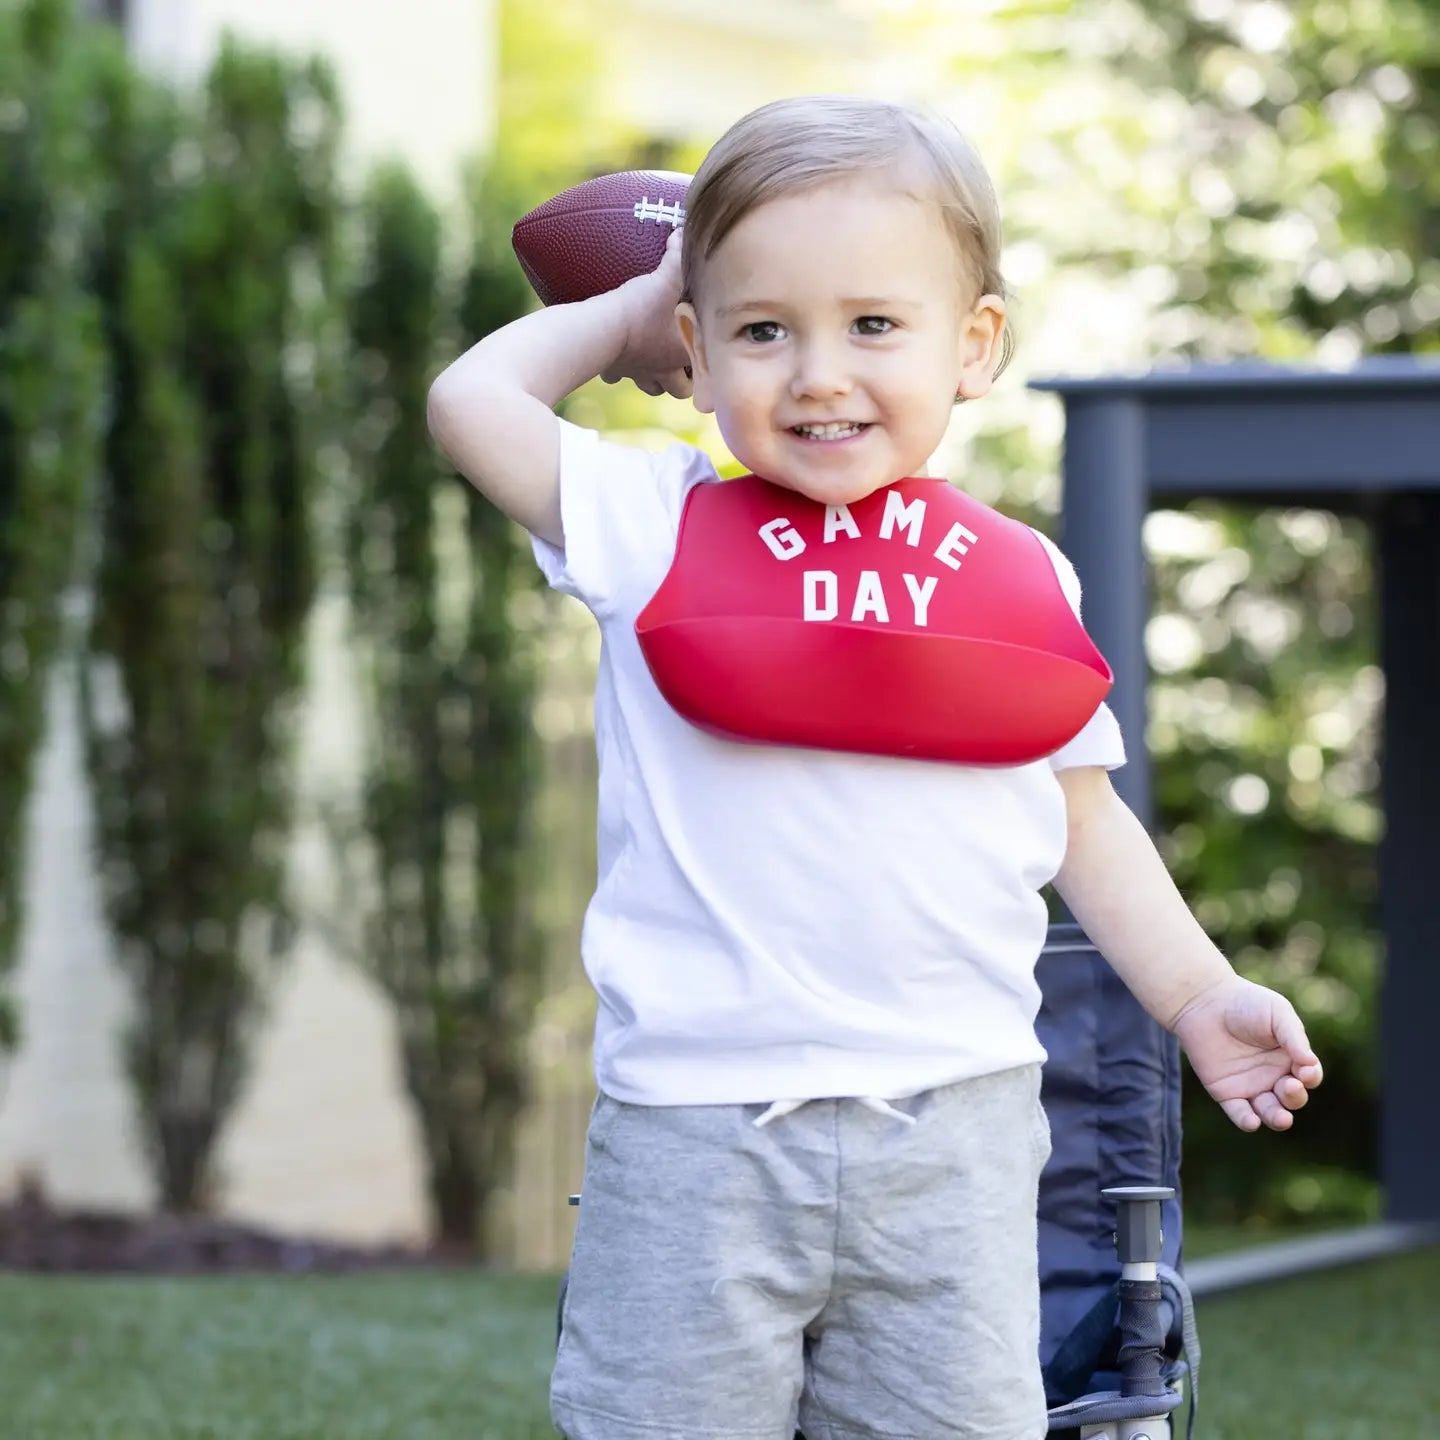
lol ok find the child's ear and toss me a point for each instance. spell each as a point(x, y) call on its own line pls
point(695, 344)
point(980, 347)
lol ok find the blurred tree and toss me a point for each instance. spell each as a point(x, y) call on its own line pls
point(437, 847)
point(1302, 210)
point(444, 601)
point(214, 271)
point(1263, 734)
point(1302, 218)
point(51, 395)
point(554, 128)
point(438, 578)
point(1229, 178)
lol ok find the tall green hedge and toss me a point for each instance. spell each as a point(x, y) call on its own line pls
point(448, 682)
point(170, 325)
point(216, 262)
point(51, 396)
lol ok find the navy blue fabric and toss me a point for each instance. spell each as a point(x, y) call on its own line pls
point(1111, 1090)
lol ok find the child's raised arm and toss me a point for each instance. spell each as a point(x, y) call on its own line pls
point(492, 410)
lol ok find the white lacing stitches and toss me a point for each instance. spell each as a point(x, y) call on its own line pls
point(658, 211)
point(781, 1108)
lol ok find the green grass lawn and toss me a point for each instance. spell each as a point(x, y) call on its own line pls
point(423, 1357)
point(1350, 1355)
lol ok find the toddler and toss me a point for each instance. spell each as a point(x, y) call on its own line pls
point(811, 1171)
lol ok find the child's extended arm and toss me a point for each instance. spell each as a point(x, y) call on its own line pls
point(492, 410)
point(1246, 1043)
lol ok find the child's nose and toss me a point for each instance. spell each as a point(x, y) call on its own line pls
point(820, 372)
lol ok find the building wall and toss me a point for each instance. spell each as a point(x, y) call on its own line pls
point(417, 76)
point(686, 69)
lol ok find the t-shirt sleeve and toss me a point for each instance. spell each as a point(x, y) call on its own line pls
point(620, 507)
point(1100, 742)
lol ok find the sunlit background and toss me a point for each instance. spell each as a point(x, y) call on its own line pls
point(1178, 181)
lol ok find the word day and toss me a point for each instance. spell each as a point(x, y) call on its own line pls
point(821, 597)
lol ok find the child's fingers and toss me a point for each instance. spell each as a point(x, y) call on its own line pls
point(671, 256)
point(1272, 1113)
point(1290, 1032)
point(679, 384)
point(1242, 1114)
point(1272, 1108)
point(1304, 1063)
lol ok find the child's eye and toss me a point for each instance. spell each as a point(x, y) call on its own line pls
point(874, 325)
point(762, 332)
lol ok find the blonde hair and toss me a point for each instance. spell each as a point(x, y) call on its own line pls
point(803, 143)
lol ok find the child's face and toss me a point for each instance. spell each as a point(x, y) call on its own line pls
point(845, 308)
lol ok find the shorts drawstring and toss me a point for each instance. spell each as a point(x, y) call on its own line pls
point(781, 1108)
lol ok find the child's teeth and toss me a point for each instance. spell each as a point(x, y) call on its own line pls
point(828, 432)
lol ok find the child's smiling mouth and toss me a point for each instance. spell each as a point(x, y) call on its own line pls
point(839, 430)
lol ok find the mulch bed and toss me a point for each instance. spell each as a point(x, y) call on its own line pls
point(37, 1236)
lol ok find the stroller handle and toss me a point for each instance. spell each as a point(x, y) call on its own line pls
point(1138, 1237)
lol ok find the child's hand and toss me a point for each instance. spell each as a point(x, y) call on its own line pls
point(1249, 1049)
point(654, 356)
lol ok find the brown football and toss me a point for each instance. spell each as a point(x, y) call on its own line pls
point(596, 236)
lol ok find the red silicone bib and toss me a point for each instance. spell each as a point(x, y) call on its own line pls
point(916, 622)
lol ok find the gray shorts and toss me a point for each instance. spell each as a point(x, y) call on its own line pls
point(838, 1270)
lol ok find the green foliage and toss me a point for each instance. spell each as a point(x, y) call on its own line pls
point(1303, 206)
point(214, 262)
point(51, 391)
point(1270, 188)
point(1242, 180)
point(554, 130)
point(1263, 731)
point(1301, 221)
point(437, 584)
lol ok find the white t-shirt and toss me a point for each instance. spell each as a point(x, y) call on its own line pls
point(777, 923)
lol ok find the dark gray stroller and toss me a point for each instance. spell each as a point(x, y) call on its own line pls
point(1117, 1339)
point(1116, 1325)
